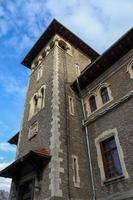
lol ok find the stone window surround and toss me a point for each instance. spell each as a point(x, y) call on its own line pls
point(39, 72)
point(71, 105)
point(130, 68)
point(98, 98)
point(103, 136)
point(39, 104)
point(76, 180)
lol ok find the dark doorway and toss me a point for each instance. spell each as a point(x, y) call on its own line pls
point(26, 190)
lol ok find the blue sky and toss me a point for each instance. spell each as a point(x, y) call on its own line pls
point(97, 22)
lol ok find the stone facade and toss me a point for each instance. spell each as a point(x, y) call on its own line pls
point(74, 171)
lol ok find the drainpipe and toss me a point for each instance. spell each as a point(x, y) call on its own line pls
point(88, 144)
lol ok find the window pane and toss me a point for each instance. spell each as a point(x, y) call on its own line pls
point(92, 102)
point(104, 95)
point(109, 144)
point(111, 159)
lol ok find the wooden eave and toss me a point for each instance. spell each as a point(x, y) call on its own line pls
point(106, 60)
point(35, 159)
point(14, 139)
point(57, 28)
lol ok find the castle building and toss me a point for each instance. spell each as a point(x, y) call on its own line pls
point(76, 136)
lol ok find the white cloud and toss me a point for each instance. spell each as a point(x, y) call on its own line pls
point(5, 183)
point(12, 85)
point(98, 22)
point(6, 147)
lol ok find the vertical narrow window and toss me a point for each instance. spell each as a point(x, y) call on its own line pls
point(130, 69)
point(104, 95)
point(92, 102)
point(110, 158)
point(40, 72)
point(75, 166)
point(42, 97)
point(35, 101)
point(77, 70)
point(71, 105)
point(51, 45)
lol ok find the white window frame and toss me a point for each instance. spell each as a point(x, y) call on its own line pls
point(75, 168)
point(105, 135)
point(71, 105)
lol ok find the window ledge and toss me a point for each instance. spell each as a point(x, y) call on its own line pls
point(115, 179)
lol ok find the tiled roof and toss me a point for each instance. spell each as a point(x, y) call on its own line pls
point(36, 156)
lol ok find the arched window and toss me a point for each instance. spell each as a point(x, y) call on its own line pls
point(36, 63)
point(62, 44)
point(42, 97)
point(104, 94)
point(92, 102)
point(35, 102)
point(51, 45)
point(130, 68)
point(43, 54)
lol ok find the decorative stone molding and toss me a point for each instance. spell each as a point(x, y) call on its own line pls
point(33, 130)
point(103, 136)
point(55, 142)
point(98, 114)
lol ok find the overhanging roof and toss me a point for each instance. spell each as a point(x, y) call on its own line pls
point(57, 28)
point(14, 139)
point(35, 158)
point(106, 60)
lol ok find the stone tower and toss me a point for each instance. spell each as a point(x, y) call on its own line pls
point(51, 145)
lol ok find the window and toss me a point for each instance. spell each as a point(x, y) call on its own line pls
point(36, 63)
point(77, 70)
point(62, 44)
point(43, 54)
point(71, 106)
point(110, 158)
point(42, 97)
point(35, 102)
point(130, 69)
point(104, 95)
point(92, 102)
point(40, 73)
point(51, 45)
point(75, 167)
point(26, 190)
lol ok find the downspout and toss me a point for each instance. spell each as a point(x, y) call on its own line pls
point(88, 144)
